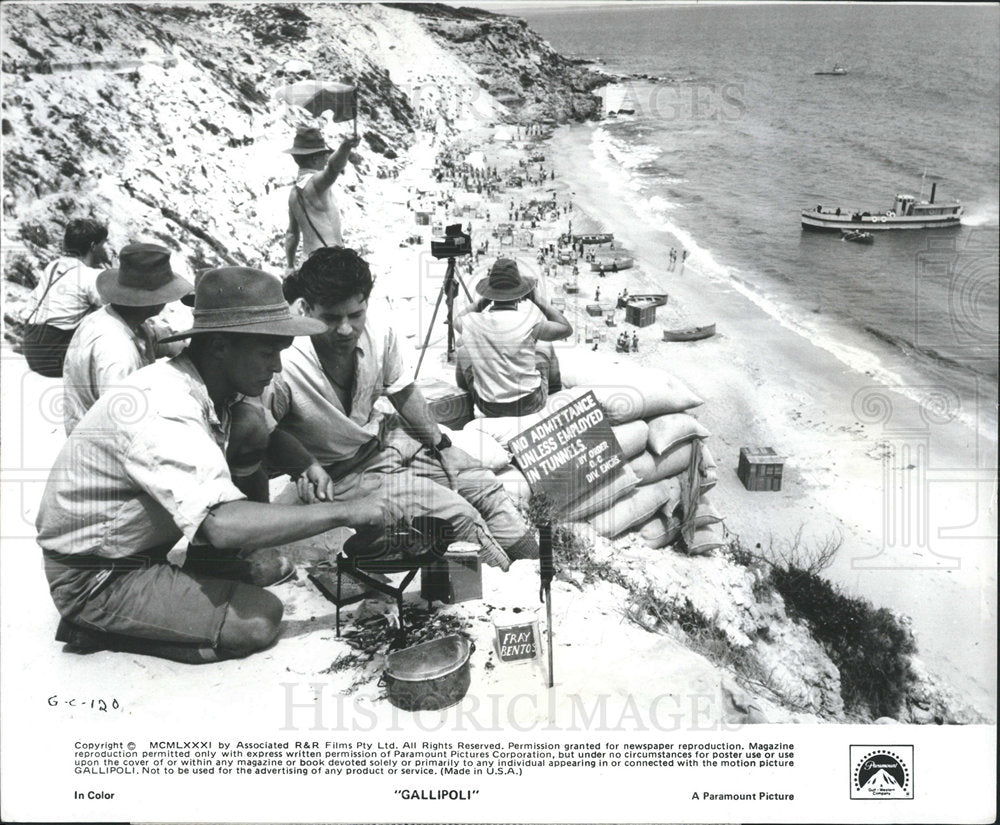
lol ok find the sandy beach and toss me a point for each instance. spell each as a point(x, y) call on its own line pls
point(911, 493)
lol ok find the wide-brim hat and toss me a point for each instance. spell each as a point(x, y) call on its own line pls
point(504, 283)
point(143, 278)
point(308, 142)
point(188, 300)
point(244, 300)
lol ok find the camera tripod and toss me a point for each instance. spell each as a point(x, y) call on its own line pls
point(448, 293)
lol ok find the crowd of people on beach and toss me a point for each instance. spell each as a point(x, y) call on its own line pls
point(624, 345)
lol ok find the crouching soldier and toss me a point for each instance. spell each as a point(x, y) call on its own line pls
point(146, 465)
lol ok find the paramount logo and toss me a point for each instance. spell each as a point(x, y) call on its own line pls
point(882, 772)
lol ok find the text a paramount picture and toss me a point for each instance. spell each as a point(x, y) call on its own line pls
point(406, 418)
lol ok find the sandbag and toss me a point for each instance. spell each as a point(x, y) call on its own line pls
point(508, 427)
point(660, 531)
point(481, 446)
point(643, 465)
point(632, 437)
point(627, 391)
point(706, 513)
point(635, 508)
point(705, 540)
point(603, 497)
point(633, 396)
point(674, 462)
point(515, 484)
point(667, 431)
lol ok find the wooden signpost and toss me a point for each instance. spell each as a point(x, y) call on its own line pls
point(570, 453)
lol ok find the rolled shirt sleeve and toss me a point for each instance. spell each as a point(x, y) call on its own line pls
point(178, 464)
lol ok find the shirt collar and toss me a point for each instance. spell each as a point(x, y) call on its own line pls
point(198, 388)
point(134, 333)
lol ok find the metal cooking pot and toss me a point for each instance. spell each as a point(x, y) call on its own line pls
point(430, 675)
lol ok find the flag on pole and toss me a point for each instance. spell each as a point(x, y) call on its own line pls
point(317, 96)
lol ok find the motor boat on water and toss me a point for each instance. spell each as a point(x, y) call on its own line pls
point(836, 70)
point(907, 213)
point(857, 236)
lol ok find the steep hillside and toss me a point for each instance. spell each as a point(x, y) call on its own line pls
point(162, 119)
point(515, 65)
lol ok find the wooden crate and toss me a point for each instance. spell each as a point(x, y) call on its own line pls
point(596, 310)
point(760, 468)
point(640, 315)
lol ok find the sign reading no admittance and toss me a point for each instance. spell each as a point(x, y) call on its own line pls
point(570, 453)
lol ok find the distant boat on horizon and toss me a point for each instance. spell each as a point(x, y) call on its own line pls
point(836, 70)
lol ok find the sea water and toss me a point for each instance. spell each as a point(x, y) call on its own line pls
point(735, 135)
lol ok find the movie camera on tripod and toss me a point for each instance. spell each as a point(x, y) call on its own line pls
point(456, 244)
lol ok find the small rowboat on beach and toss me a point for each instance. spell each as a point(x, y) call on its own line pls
point(655, 298)
point(613, 265)
point(594, 238)
point(689, 333)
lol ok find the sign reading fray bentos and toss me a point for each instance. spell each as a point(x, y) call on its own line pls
point(569, 453)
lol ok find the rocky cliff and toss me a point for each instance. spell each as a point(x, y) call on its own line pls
point(163, 121)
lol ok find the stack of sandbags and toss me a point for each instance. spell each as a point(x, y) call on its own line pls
point(630, 394)
point(656, 503)
point(648, 411)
